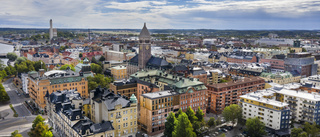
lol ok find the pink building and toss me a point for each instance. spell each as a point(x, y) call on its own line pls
point(275, 63)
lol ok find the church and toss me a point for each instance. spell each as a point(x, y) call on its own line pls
point(144, 60)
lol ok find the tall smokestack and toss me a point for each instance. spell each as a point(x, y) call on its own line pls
point(51, 30)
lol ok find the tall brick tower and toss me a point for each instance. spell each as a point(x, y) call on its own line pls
point(144, 47)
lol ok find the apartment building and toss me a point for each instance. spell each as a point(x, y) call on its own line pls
point(66, 117)
point(302, 62)
point(120, 110)
point(119, 72)
point(124, 87)
point(304, 106)
point(224, 94)
point(55, 80)
point(263, 104)
point(191, 88)
point(214, 76)
point(154, 108)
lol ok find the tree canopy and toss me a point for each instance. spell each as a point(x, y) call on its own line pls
point(232, 113)
point(4, 97)
point(39, 128)
point(255, 127)
point(298, 132)
point(12, 56)
point(15, 134)
point(169, 125)
point(64, 67)
point(98, 79)
point(211, 122)
point(183, 127)
point(311, 129)
point(95, 68)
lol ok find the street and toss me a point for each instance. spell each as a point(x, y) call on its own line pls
point(22, 124)
point(15, 100)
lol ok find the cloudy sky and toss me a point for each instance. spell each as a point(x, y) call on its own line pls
point(158, 14)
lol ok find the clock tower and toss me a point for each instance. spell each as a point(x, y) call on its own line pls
point(144, 47)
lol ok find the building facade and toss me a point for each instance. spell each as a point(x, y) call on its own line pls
point(280, 77)
point(303, 63)
point(55, 80)
point(224, 94)
point(262, 104)
point(120, 110)
point(119, 72)
point(65, 116)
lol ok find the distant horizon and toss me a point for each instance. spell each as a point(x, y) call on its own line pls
point(167, 29)
point(163, 14)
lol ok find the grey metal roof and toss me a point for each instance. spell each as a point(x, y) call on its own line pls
point(144, 32)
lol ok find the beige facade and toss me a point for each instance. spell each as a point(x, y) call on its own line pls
point(280, 78)
point(39, 84)
point(119, 72)
point(121, 112)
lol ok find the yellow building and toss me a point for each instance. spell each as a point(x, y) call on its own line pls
point(55, 80)
point(122, 112)
point(214, 77)
point(296, 50)
point(189, 56)
point(119, 72)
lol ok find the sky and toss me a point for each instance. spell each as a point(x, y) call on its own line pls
point(162, 14)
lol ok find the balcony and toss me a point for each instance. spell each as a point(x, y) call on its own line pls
point(309, 112)
point(310, 103)
point(292, 104)
point(291, 99)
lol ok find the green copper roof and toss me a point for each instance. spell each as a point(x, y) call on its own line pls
point(133, 98)
point(179, 84)
point(65, 80)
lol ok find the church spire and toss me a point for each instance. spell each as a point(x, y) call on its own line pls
point(144, 32)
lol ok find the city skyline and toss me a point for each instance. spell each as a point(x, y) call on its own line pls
point(177, 14)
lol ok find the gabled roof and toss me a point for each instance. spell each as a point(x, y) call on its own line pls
point(157, 62)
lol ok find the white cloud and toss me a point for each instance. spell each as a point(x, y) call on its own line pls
point(158, 14)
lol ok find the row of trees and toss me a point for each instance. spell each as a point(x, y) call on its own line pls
point(23, 65)
point(4, 97)
point(39, 128)
point(188, 124)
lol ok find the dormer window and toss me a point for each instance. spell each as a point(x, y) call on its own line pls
point(141, 41)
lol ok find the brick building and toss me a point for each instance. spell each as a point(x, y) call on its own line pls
point(224, 94)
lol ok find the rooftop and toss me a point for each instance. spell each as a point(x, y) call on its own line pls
point(159, 94)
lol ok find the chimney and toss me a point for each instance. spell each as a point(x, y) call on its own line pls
point(41, 72)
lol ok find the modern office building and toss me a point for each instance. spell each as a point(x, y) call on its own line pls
point(66, 117)
point(55, 80)
point(224, 94)
point(120, 110)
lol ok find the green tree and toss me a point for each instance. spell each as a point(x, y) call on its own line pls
point(223, 135)
point(39, 65)
point(232, 113)
point(212, 122)
point(218, 121)
point(12, 56)
point(98, 79)
point(191, 116)
point(64, 67)
point(93, 60)
point(255, 127)
point(169, 125)
point(102, 58)
point(4, 97)
point(96, 68)
point(39, 128)
point(178, 113)
point(304, 50)
point(15, 134)
point(200, 115)
point(80, 55)
point(311, 129)
point(296, 132)
point(303, 134)
point(20, 59)
point(183, 127)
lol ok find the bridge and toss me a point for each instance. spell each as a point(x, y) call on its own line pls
point(3, 55)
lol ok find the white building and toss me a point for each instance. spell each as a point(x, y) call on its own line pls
point(314, 80)
point(24, 79)
point(274, 114)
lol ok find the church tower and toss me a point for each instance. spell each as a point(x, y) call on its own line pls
point(144, 47)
